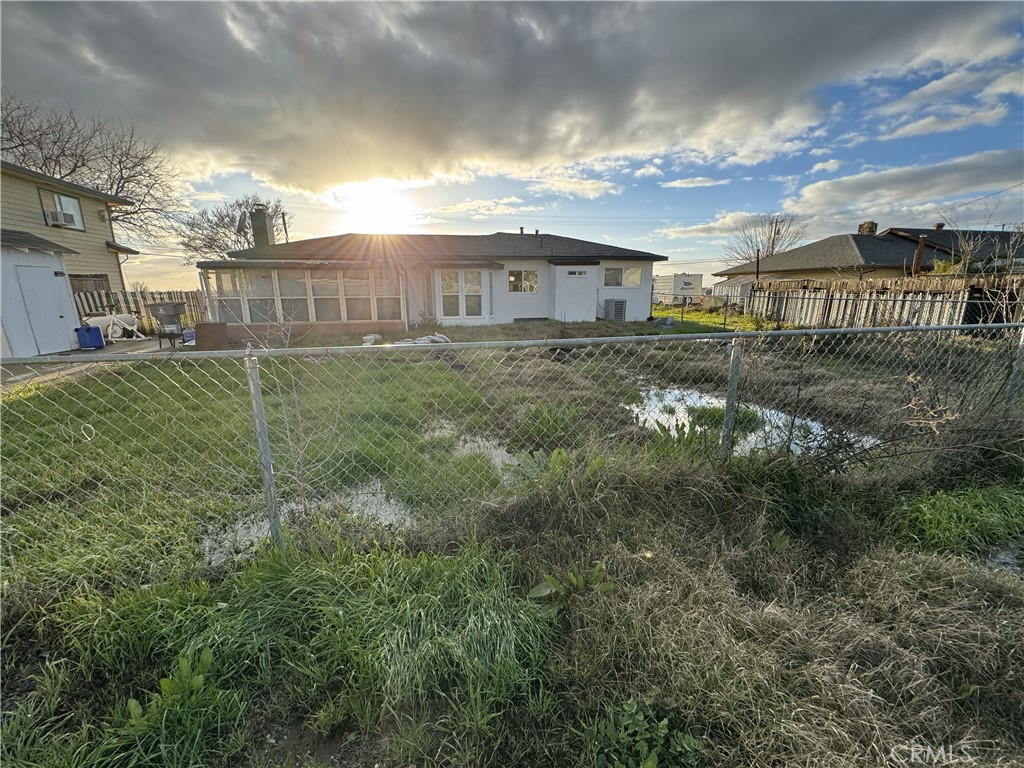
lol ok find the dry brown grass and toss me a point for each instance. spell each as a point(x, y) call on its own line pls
point(778, 651)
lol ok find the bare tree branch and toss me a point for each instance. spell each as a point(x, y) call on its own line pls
point(212, 232)
point(103, 154)
point(764, 235)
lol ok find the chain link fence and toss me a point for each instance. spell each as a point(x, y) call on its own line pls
point(118, 469)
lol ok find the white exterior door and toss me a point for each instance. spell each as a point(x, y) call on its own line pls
point(576, 293)
point(39, 315)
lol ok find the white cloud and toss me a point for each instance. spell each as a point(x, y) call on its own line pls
point(939, 90)
point(588, 189)
point(828, 166)
point(698, 181)
point(724, 223)
point(649, 170)
point(933, 124)
point(907, 192)
point(819, 151)
point(483, 209)
point(1012, 83)
point(312, 95)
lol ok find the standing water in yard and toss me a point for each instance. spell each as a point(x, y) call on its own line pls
point(757, 428)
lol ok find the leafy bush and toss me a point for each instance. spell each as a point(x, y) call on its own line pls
point(643, 735)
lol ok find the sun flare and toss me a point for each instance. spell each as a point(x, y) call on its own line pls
point(378, 206)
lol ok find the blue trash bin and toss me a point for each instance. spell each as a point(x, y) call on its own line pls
point(90, 337)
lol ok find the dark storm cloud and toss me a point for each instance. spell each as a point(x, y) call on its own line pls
point(317, 94)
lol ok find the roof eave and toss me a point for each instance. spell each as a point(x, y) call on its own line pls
point(28, 173)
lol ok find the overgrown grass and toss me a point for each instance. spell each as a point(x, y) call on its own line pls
point(961, 522)
point(763, 611)
point(427, 652)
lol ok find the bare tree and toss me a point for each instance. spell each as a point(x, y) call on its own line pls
point(762, 235)
point(103, 154)
point(212, 232)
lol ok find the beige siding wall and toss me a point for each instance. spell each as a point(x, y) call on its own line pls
point(20, 209)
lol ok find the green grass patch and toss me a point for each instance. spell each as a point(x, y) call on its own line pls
point(962, 521)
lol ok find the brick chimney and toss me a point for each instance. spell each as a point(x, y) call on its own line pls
point(262, 231)
point(868, 228)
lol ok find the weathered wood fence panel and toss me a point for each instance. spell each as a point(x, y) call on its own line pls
point(897, 302)
point(100, 303)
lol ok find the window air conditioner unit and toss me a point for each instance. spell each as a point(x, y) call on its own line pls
point(55, 218)
point(69, 219)
point(614, 309)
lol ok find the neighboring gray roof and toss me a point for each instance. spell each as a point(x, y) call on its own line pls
point(440, 248)
point(79, 188)
point(843, 252)
point(976, 243)
point(17, 239)
point(892, 248)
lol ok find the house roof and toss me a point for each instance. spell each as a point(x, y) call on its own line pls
point(18, 170)
point(430, 249)
point(976, 243)
point(887, 249)
point(17, 239)
point(116, 247)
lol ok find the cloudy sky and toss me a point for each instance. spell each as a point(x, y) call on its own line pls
point(654, 126)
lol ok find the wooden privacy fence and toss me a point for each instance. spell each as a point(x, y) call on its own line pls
point(99, 303)
point(896, 302)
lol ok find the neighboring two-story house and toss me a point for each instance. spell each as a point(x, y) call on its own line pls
point(56, 238)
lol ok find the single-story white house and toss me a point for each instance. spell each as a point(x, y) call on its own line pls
point(362, 283)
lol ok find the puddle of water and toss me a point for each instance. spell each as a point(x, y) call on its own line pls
point(678, 409)
point(1009, 557)
point(372, 501)
point(471, 444)
point(498, 455)
point(239, 540)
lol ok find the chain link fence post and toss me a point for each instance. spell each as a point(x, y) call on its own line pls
point(732, 394)
point(252, 370)
point(1016, 382)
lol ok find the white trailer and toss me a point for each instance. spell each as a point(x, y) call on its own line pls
point(680, 288)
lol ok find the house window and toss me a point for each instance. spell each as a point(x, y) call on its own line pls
point(229, 297)
point(576, 273)
point(522, 281)
point(622, 277)
point(461, 293)
point(357, 294)
point(88, 283)
point(259, 291)
point(326, 295)
point(387, 290)
point(294, 302)
point(61, 210)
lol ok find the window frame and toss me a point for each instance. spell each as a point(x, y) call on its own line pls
point(441, 316)
point(79, 226)
point(522, 281)
point(622, 277)
point(244, 296)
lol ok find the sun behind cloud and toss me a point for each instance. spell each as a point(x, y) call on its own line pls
point(376, 207)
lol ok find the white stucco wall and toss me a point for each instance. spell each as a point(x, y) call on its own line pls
point(509, 306)
point(638, 300)
point(581, 298)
